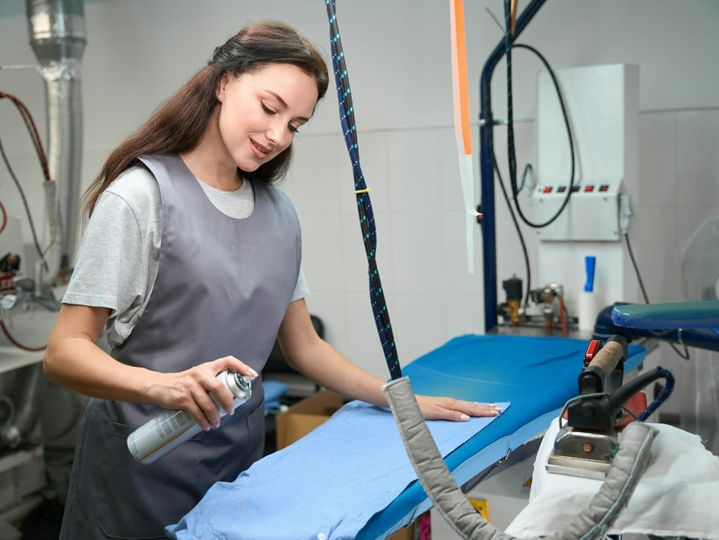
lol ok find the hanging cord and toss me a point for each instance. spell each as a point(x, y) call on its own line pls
point(18, 344)
point(511, 151)
point(529, 169)
point(662, 397)
point(4, 217)
point(42, 158)
point(364, 205)
point(528, 172)
point(27, 207)
point(32, 130)
point(684, 355)
point(517, 228)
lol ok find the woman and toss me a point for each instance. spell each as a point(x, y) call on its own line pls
point(191, 261)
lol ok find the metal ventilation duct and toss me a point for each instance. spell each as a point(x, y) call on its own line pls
point(57, 35)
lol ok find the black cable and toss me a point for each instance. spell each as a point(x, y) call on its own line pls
point(662, 397)
point(513, 180)
point(636, 268)
point(528, 169)
point(511, 151)
point(25, 204)
point(516, 227)
point(684, 355)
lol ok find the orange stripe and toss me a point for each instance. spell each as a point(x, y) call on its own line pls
point(462, 72)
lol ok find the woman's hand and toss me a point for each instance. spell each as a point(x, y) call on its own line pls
point(444, 408)
point(190, 390)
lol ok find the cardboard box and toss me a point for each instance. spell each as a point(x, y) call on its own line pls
point(405, 533)
point(306, 415)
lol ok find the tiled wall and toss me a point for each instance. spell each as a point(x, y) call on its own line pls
point(420, 229)
point(398, 57)
point(418, 207)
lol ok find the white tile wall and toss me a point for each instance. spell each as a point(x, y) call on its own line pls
point(414, 170)
point(323, 252)
point(314, 180)
point(419, 323)
point(697, 157)
point(406, 140)
point(657, 164)
point(416, 260)
point(363, 345)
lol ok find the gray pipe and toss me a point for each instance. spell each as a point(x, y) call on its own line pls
point(591, 523)
point(57, 35)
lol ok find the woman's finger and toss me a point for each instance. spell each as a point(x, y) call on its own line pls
point(237, 365)
point(207, 407)
point(454, 409)
point(221, 394)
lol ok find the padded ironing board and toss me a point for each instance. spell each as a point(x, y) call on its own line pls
point(667, 316)
point(537, 375)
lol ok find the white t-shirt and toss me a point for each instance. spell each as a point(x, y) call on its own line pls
point(119, 255)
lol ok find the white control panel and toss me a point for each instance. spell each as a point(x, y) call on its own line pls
point(592, 213)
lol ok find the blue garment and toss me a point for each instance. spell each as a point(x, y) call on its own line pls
point(274, 392)
point(346, 478)
point(379, 469)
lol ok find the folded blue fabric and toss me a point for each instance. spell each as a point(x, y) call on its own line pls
point(274, 392)
point(359, 442)
point(350, 478)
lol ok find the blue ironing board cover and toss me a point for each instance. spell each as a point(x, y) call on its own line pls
point(667, 316)
point(537, 375)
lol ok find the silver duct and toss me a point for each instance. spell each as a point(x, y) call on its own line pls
point(57, 35)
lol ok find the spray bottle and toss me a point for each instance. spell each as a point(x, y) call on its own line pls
point(587, 310)
point(171, 428)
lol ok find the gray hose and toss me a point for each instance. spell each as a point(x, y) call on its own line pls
point(590, 523)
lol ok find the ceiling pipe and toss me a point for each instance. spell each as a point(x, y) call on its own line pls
point(57, 36)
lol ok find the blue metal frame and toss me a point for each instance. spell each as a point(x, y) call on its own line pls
point(489, 244)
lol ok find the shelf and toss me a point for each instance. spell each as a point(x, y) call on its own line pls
point(13, 358)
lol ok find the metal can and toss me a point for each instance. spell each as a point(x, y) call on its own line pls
point(171, 428)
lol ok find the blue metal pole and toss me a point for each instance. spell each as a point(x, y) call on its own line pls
point(486, 122)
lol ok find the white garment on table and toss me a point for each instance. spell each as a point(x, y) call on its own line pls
point(677, 495)
point(119, 255)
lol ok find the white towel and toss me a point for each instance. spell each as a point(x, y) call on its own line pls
point(678, 494)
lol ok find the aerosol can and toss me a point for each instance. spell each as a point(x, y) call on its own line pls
point(168, 430)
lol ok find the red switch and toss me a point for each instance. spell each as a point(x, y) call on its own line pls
point(547, 189)
point(588, 189)
point(591, 351)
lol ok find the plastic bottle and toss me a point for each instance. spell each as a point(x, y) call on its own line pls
point(171, 428)
point(588, 302)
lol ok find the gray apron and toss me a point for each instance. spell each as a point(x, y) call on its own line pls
point(222, 288)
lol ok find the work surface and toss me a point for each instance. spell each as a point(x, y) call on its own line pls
point(350, 478)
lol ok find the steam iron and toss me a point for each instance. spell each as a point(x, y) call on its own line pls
point(586, 445)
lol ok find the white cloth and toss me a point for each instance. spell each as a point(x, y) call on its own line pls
point(119, 254)
point(678, 494)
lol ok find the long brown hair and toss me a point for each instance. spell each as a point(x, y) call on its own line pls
point(178, 125)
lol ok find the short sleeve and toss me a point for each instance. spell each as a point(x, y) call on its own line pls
point(110, 267)
point(301, 289)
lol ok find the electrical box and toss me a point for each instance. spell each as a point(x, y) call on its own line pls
point(603, 106)
point(592, 213)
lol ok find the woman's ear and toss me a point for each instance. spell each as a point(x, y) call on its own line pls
point(222, 87)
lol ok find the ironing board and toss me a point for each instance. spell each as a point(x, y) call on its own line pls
point(536, 374)
point(667, 316)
